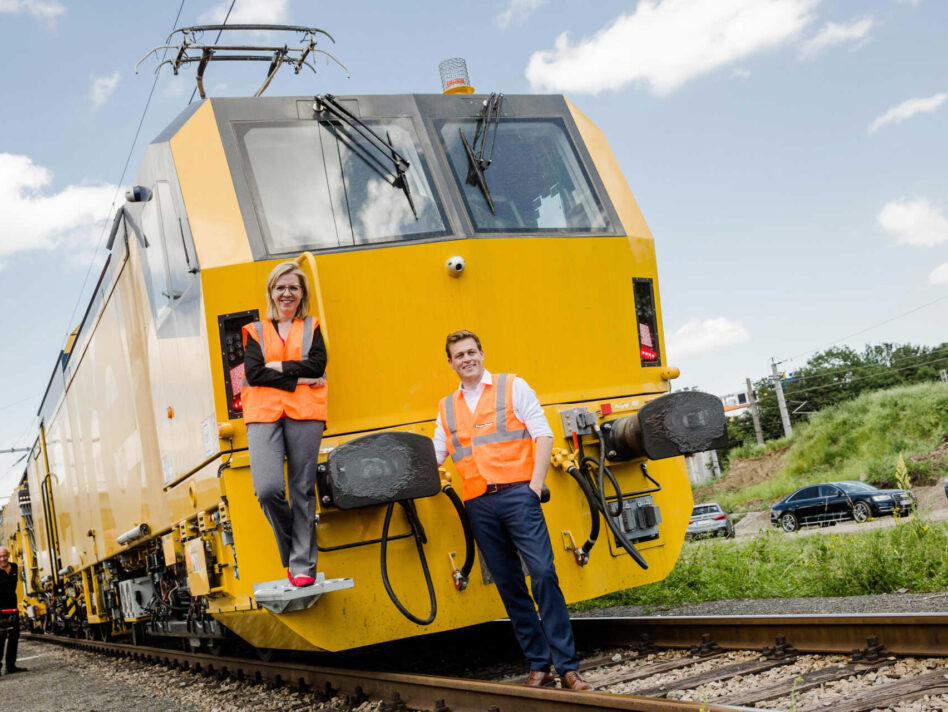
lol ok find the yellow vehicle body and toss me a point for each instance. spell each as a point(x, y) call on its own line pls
point(129, 437)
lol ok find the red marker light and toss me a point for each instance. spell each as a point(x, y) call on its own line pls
point(648, 354)
point(237, 403)
point(606, 408)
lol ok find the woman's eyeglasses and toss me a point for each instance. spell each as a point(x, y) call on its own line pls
point(293, 289)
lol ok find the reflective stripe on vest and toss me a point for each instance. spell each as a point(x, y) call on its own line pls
point(262, 404)
point(504, 455)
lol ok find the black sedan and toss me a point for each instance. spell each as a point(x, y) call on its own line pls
point(837, 501)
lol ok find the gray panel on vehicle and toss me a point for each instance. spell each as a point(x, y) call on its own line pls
point(382, 468)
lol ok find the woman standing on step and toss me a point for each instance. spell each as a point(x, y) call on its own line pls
point(284, 406)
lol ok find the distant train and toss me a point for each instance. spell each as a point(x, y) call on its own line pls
point(136, 515)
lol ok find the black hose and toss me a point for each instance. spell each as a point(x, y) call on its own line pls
point(468, 535)
point(602, 471)
point(599, 486)
point(416, 529)
point(593, 508)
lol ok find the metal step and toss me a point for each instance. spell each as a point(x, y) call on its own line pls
point(281, 597)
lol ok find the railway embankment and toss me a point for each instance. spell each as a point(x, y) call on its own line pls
point(887, 564)
point(862, 439)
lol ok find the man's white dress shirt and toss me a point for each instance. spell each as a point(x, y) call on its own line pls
point(526, 407)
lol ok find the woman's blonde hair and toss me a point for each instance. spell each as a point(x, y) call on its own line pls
point(284, 268)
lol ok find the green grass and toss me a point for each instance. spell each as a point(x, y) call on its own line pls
point(911, 555)
point(862, 439)
point(857, 440)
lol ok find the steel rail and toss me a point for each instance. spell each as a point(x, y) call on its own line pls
point(923, 634)
point(423, 692)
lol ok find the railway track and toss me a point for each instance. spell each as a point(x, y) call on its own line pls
point(649, 664)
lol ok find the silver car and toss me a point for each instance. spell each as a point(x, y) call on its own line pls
point(709, 520)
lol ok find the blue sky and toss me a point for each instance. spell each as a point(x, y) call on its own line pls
point(789, 155)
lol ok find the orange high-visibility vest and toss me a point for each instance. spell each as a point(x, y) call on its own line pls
point(491, 444)
point(262, 404)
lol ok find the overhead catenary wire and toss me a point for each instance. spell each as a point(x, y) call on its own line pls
point(118, 187)
point(868, 328)
point(848, 369)
point(882, 372)
point(107, 221)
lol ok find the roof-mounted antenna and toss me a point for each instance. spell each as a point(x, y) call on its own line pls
point(192, 49)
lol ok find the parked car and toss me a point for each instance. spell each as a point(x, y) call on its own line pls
point(836, 501)
point(709, 520)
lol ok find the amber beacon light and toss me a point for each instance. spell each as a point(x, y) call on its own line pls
point(454, 79)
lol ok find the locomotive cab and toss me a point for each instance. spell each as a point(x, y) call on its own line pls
point(413, 215)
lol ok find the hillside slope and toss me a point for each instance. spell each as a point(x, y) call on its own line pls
point(857, 440)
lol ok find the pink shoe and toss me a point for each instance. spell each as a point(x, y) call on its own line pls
point(303, 581)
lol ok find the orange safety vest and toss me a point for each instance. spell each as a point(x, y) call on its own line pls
point(262, 404)
point(491, 444)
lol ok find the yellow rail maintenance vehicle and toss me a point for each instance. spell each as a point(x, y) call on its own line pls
point(412, 216)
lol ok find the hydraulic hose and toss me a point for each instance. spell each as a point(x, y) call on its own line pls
point(462, 577)
point(419, 542)
point(602, 472)
point(593, 509)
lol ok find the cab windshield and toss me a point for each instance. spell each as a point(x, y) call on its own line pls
point(535, 179)
point(318, 185)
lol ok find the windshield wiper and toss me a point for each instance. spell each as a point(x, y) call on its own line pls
point(477, 163)
point(396, 175)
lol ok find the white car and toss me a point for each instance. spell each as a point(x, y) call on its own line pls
point(709, 520)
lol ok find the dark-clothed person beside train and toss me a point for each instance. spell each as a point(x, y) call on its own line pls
point(9, 636)
point(284, 406)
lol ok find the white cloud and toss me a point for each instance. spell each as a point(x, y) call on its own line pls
point(908, 109)
point(30, 220)
point(913, 3)
point(939, 275)
point(665, 43)
point(517, 12)
point(102, 89)
point(834, 34)
point(699, 336)
point(914, 222)
point(43, 9)
point(741, 73)
point(273, 12)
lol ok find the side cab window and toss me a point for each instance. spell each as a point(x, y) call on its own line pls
point(168, 265)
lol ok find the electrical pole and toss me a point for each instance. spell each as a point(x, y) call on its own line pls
point(781, 403)
point(754, 414)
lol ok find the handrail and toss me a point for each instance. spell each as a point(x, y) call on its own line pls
point(307, 263)
point(181, 478)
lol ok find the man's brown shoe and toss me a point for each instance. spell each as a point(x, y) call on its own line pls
point(540, 678)
point(572, 681)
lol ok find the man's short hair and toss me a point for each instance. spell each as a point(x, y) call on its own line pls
point(456, 336)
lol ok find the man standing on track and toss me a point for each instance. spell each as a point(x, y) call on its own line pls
point(8, 581)
point(488, 426)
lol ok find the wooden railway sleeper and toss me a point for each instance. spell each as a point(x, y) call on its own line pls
point(800, 684)
point(751, 667)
